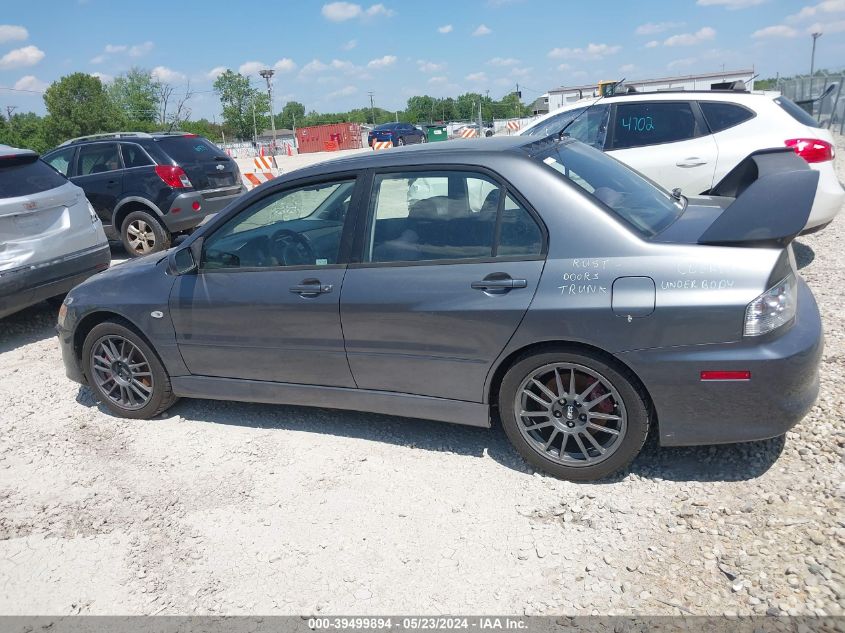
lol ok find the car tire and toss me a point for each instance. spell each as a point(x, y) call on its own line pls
point(400, 141)
point(142, 234)
point(552, 446)
point(125, 373)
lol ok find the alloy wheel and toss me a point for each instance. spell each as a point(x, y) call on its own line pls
point(141, 237)
point(122, 372)
point(570, 414)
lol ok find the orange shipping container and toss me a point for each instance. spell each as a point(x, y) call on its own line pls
point(335, 135)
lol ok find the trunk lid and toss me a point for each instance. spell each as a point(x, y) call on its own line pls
point(206, 165)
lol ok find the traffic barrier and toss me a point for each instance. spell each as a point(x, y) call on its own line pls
point(262, 162)
point(253, 179)
point(469, 133)
point(513, 125)
point(382, 145)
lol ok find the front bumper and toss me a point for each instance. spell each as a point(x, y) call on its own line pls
point(182, 216)
point(23, 287)
point(783, 387)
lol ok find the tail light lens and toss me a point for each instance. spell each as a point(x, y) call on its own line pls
point(173, 176)
point(773, 308)
point(813, 150)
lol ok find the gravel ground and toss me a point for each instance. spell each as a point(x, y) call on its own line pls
point(226, 508)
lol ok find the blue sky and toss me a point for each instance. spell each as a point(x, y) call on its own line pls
point(328, 55)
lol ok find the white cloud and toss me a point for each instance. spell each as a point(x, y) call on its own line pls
point(30, 82)
point(827, 27)
point(481, 30)
point(139, 50)
point(429, 67)
point(314, 66)
point(105, 78)
point(343, 11)
point(251, 68)
point(21, 57)
point(382, 62)
point(627, 68)
point(215, 72)
point(520, 72)
point(680, 63)
point(167, 75)
point(482, 76)
point(115, 48)
point(99, 59)
point(690, 39)
point(563, 67)
point(343, 92)
point(446, 28)
point(828, 6)
point(652, 44)
point(653, 28)
point(12, 33)
point(779, 30)
point(438, 80)
point(284, 65)
point(350, 45)
point(730, 4)
point(503, 61)
point(593, 51)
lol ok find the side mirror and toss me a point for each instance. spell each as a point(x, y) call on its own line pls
point(181, 262)
point(180, 239)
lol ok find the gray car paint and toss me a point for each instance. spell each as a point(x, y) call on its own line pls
point(699, 295)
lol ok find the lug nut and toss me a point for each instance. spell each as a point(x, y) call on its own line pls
point(582, 417)
point(562, 401)
point(557, 414)
point(570, 424)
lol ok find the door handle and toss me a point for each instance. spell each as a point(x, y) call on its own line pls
point(692, 161)
point(312, 289)
point(499, 284)
point(112, 183)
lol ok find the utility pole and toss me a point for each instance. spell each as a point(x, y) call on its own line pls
point(372, 108)
point(268, 74)
point(254, 126)
point(815, 36)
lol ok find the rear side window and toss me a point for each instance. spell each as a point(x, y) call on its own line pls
point(640, 124)
point(797, 112)
point(189, 149)
point(720, 116)
point(134, 156)
point(25, 178)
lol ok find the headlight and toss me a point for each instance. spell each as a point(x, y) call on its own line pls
point(773, 308)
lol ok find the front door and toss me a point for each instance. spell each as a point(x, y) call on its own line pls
point(264, 304)
point(450, 263)
point(667, 141)
point(99, 172)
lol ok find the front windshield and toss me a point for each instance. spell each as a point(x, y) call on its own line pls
point(631, 196)
point(588, 125)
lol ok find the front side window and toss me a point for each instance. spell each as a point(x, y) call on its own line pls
point(630, 196)
point(640, 124)
point(299, 227)
point(60, 160)
point(451, 215)
point(98, 159)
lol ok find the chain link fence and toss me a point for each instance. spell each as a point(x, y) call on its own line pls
point(820, 95)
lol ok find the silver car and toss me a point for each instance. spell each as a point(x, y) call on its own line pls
point(50, 238)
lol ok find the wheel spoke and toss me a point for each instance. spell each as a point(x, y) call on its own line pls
point(604, 416)
point(546, 391)
point(559, 384)
point(603, 429)
point(589, 389)
point(593, 403)
point(601, 449)
point(571, 391)
point(533, 395)
point(581, 447)
point(551, 439)
point(538, 425)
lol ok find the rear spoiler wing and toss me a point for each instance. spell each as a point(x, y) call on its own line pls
point(774, 190)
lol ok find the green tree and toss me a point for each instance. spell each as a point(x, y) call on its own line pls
point(78, 105)
point(238, 99)
point(202, 127)
point(292, 114)
point(421, 109)
point(136, 94)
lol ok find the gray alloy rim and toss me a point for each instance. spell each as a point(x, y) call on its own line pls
point(141, 237)
point(400, 141)
point(121, 372)
point(570, 414)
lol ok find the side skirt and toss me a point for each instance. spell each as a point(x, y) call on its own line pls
point(386, 402)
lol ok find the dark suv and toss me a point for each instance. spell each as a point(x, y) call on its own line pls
point(146, 188)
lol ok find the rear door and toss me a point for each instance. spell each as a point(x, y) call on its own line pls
point(668, 141)
point(99, 171)
point(207, 166)
point(449, 262)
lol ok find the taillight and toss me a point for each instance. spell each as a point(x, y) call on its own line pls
point(813, 150)
point(173, 176)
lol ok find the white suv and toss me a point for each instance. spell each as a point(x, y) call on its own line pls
point(50, 237)
point(692, 139)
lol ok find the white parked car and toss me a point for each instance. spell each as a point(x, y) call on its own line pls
point(50, 238)
point(692, 139)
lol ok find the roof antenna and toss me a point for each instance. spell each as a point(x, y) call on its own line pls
point(561, 134)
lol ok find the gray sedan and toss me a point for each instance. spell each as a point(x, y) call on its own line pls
point(539, 283)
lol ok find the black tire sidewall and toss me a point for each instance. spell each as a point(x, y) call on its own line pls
point(162, 396)
point(635, 407)
point(162, 236)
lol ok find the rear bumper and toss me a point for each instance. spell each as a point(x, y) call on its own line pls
point(182, 216)
point(784, 383)
point(829, 198)
point(26, 286)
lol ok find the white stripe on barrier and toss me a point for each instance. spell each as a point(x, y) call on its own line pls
point(382, 145)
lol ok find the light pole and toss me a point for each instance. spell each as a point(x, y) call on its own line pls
point(815, 36)
point(372, 109)
point(268, 74)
